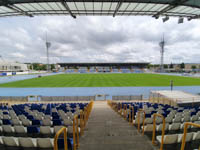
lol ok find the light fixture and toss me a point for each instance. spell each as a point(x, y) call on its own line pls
point(189, 18)
point(180, 20)
point(156, 16)
point(166, 18)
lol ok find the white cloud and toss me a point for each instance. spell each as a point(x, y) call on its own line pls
point(99, 39)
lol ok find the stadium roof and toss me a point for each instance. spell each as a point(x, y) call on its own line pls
point(155, 8)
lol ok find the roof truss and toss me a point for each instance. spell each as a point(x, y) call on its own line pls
point(178, 8)
point(171, 6)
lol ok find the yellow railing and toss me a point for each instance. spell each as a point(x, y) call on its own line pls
point(133, 115)
point(75, 132)
point(185, 132)
point(154, 130)
point(81, 122)
point(139, 111)
point(125, 111)
point(64, 129)
point(129, 119)
point(84, 115)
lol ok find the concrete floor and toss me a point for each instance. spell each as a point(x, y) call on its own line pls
point(106, 130)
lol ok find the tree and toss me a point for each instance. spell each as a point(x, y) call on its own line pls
point(37, 66)
point(171, 66)
point(165, 66)
point(182, 65)
point(194, 67)
point(52, 66)
point(149, 66)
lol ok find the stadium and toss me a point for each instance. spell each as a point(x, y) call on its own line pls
point(97, 105)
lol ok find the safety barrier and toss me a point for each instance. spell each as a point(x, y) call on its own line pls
point(185, 132)
point(84, 116)
point(120, 111)
point(64, 129)
point(129, 118)
point(139, 111)
point(125, 111)
point(81, 122)
point(154, 130)
point(75, 132)
point(133, 115)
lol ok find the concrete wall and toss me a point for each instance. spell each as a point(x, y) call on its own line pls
point(128, 97)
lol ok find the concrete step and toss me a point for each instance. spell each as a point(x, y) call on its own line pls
point(106, 130)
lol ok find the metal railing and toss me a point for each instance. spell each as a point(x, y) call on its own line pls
point(84, 115)
point(185, 132)
point(133, 115)
point(139, 111)
point(75, 132)
point(81, 122)
point(154, 130)
point(125, 111)
point(62, 130)
point(120, 111)
point(130, 118)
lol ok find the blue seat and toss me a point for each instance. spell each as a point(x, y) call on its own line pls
point(147, 115)
point(6, 122)
point(164, 114)
point(57, 122)
point(193, 113)
point(69, 143)
point(36, 122)
point(33, 130)
point(55, 114)
point(56, 118)
point(5, 113)
point(30, 117)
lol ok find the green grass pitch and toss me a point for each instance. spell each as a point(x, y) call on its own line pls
point(104, 80)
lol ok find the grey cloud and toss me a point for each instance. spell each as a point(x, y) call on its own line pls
point(99, 39)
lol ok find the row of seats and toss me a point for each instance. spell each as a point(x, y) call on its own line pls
point(26, 125)
point(33, 129)
point(45, 122)
point(27, 142)
point(177, 138)
point(175, 118)
point(168, 127)
point(168, 119)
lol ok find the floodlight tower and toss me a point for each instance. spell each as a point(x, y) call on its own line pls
point(48, 45)
point(162, 45)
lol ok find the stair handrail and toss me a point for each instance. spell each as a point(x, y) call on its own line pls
point(154, 129)
point(139, 111)
point(62, 130)
point(185, 132)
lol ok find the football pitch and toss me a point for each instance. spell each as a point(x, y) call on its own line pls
point(104, 80)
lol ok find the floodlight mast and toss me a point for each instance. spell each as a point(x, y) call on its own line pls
point(162, 45)
point(48, 45)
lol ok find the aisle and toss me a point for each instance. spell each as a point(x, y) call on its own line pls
point(106, 130)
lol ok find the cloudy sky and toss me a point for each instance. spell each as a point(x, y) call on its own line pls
point(99, 39)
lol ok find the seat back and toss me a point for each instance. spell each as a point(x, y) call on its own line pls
point(170, 139)
point(45, 143)
point(10, 141)
point(27, 142)
point(20, 129)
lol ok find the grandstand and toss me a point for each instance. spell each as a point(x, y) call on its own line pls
point(37, 125)
point(163, 124)
point(103, 67)
point(174, 98)
point(34, 125)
